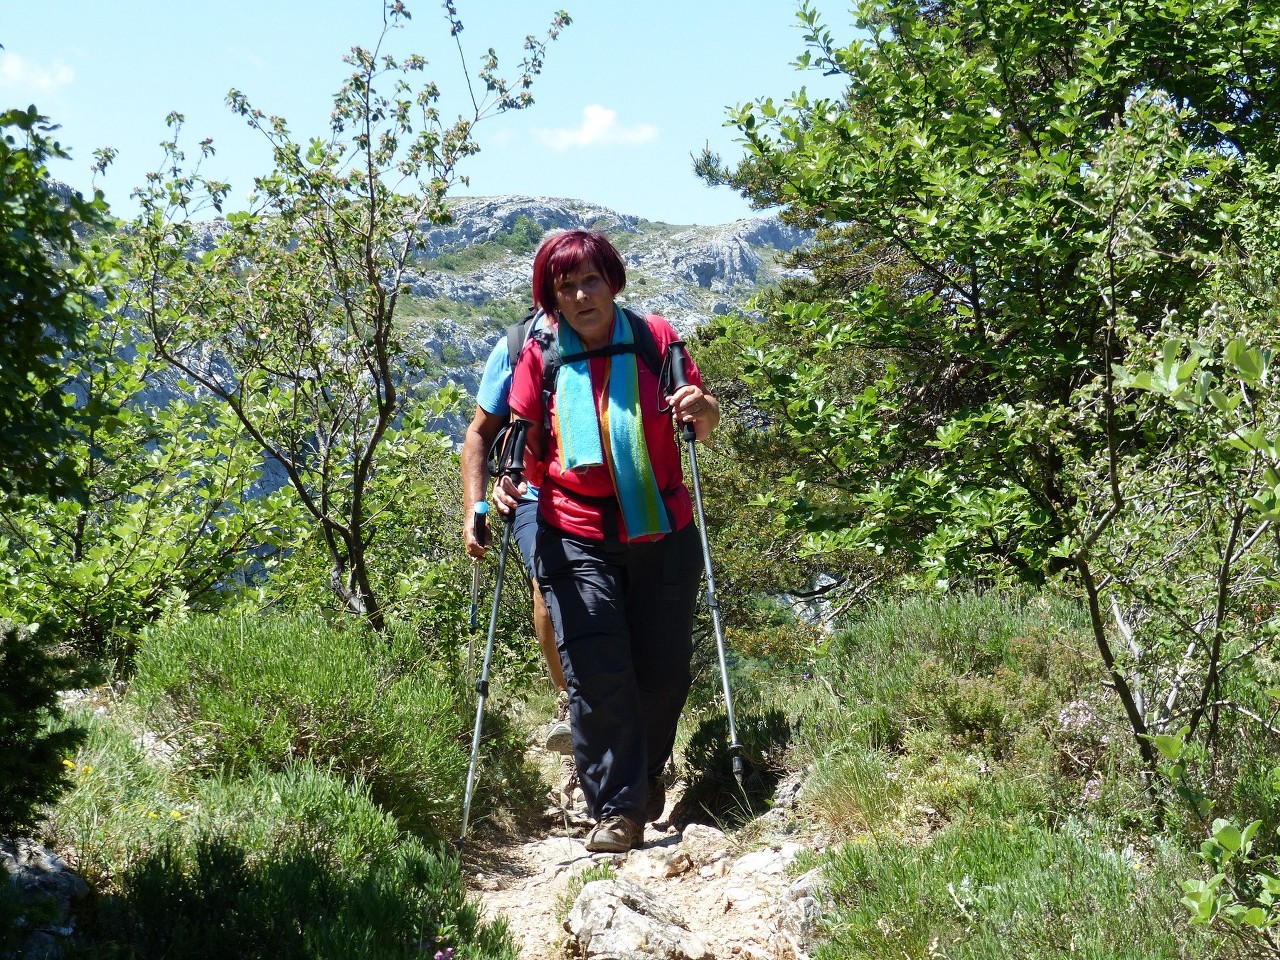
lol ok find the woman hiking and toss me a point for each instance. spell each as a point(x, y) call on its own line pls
point(618, 555)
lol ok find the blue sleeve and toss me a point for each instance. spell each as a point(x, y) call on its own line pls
point(495, 382)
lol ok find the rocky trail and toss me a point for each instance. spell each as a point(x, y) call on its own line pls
point(692, 892)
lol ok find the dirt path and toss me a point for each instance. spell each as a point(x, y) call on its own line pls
point(737, 894)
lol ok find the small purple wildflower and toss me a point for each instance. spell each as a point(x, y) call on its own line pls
point(1076, 716)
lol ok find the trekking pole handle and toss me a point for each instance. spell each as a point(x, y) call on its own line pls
point(513, 455)
point(479, 518)
point(675, 357)
point(510, 461)
point(675, 362)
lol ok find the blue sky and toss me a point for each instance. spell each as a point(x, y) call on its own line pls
point(630, 90)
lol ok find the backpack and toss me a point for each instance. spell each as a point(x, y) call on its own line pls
point(643, 344)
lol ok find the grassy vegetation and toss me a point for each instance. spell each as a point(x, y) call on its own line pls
point(298, 802)
point(993, 889)
point(220, 900)
point(965, 755)
point(266, 692)
point(974, 776)
point(490, 319)
point(959, 752)
point(297, 862)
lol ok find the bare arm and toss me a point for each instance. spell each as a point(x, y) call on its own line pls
point(479, 437)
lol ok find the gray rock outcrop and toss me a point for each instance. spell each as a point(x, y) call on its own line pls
point(481, 219)
point(620, 920)
point(450, 315)
point(685, 273)
point(47, 891)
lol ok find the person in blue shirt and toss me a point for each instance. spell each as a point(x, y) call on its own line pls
point(491, 415)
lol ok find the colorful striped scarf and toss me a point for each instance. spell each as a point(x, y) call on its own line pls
point(613, 434)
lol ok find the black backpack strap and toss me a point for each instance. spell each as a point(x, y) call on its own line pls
point(519, 332)
point(646, 346)
point(550, 346)
point(642, 343)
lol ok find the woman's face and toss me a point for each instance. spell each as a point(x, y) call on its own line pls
point(585, 300)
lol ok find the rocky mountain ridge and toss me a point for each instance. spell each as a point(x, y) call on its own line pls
point(471, 278)
point(720, 259)
point(476, 285)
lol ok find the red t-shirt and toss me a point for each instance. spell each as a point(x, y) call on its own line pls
point(570, 501)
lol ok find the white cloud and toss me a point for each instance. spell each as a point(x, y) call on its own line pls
point(599, 128)
point(22, 77)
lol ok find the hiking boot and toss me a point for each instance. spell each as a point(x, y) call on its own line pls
point(567, 785)
point(615, 834)
point(656, 802)
point(559, 733)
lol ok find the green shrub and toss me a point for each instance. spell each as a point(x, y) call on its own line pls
point(421, 575)
point(975, 711)
point(523, 237)
point(964, 696)
point(945, 783)
point(1255, 793)
point(220, 900)
point(711, 787)
point(294, 862)
point(119, 804)
point(124, 803)
point(271, 691)
point(853, 789)
point(31, 750)
point(1002, 889)
point(970, 632)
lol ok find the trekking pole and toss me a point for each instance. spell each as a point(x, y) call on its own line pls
point(675, 361)
point(479, 514)
point(510, 443)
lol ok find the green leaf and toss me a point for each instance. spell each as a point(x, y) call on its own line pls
point(1254, 917)
point(1170, 747)
point(1228, 836)
point(1244, 360)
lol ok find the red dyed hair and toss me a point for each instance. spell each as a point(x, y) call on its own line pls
point(569, 251)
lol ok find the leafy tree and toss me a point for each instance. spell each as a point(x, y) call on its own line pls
point(1183, 526)
point(423, 580)
point(289, 318)
point(1013, 199)
point(755, 559)
point(44, 272)
point(524, 236)
point(173, 506)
